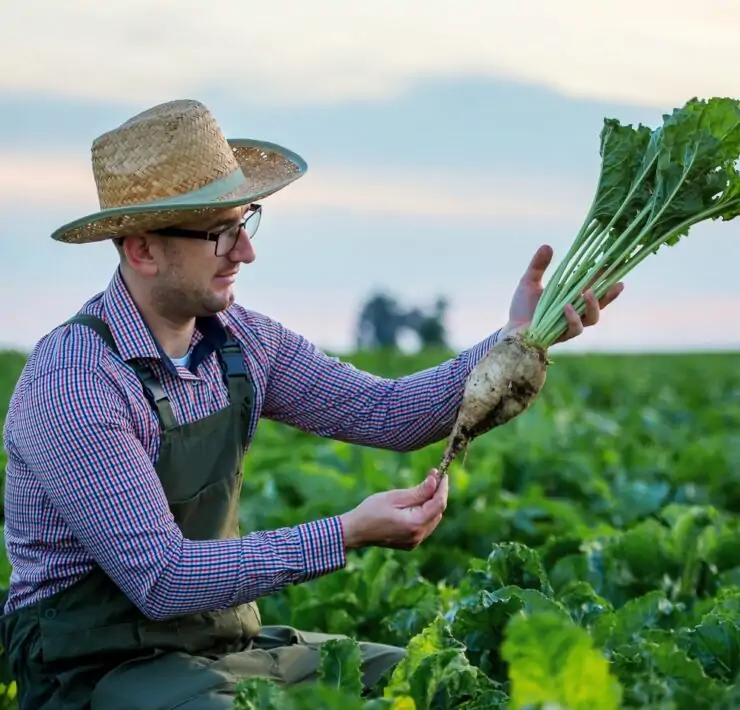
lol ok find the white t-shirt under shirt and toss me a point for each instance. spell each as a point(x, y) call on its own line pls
point(182, 361)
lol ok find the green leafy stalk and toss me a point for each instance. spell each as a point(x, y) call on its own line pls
point(654, 185)
point(581, 241)
point(620, 148)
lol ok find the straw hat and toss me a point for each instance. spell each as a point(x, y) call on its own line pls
point(171, 164)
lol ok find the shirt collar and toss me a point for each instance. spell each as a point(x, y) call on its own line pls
point(134, 339)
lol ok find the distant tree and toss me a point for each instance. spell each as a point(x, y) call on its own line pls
point(430, 326)
point(379, 323)
point(382, 320)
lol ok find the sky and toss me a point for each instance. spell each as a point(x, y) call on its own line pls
point(445, 143)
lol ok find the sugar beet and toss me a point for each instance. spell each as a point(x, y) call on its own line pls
point(500, 387)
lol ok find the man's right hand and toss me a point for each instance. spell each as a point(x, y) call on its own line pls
point(400, 519)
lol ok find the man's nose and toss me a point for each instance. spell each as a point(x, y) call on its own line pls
point(243, 249)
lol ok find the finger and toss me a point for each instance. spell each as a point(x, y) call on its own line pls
point(437, 478)
point(611, 295)
point(442, 491)
point(441, 482)
point(538, 265)
point(591, 311)
point(575, 326)
point(415, 496)
point(433, 525)
point(430, 509)
point(596, 277)
point(427, 529)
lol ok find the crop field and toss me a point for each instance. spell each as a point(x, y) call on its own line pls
point(589, 557)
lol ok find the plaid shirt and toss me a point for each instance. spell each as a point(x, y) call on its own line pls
point(81, 440)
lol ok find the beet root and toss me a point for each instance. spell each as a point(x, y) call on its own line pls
point(499, 388)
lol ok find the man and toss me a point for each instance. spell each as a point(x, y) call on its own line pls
point(132, 585)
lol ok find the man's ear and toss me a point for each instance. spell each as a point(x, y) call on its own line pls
point(143, 252)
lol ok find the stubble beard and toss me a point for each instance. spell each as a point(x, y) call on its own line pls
point(179, 300)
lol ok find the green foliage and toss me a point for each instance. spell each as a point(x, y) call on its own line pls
point(552, 660)
point(589, 555)
point(340, 665)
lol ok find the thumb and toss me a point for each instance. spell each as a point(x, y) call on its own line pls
point(538, 265)
point(417, 495)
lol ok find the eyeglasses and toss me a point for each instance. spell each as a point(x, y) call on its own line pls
point(225, 239)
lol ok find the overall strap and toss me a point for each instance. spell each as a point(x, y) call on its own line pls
point(237, 378)
point(156, 395)
point(98, 325)
point(152, 389)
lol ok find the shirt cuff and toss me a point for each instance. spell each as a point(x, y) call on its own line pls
point(322, 542)
point(475, 354)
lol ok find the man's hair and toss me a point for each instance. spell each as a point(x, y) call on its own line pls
point(118, 244)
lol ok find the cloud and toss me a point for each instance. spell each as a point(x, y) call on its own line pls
point(66, 180)
point(652, 54)
point(53, 180)
point(462, 195)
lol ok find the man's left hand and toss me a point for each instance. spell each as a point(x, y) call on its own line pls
point(529, 290)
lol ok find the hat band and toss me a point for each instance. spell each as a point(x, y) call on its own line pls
point(207, 193)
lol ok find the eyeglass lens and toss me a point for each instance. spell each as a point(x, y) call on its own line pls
point(228, 238)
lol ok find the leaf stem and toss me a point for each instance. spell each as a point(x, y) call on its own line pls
point(550, 290)
point(620, 269)
point(571, 293)
point(585, 235)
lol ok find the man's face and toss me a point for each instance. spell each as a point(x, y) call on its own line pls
point(191, 280)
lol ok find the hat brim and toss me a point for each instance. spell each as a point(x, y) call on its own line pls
point(266, 168)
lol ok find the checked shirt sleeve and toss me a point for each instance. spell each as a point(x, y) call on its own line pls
point(312, 391)
point(72, 430)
